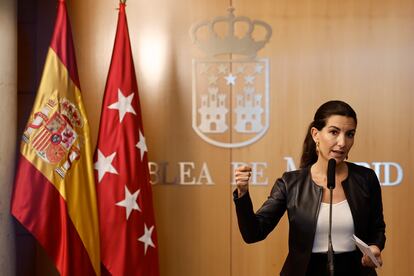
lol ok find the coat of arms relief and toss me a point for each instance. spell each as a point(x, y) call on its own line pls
point(230, 91)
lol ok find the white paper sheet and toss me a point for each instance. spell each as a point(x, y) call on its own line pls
point(366, 250)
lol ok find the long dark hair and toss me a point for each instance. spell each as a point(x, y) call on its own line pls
point(309, 155)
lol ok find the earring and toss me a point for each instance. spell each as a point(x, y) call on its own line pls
point(317, 147)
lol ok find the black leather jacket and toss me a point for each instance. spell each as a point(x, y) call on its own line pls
point(301, 197)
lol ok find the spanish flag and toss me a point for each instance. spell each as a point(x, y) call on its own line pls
point(54, 192)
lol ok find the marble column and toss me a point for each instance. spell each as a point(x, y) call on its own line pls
point(8, 124)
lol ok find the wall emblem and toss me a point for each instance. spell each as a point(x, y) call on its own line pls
point(52, 134)
point(230, 89)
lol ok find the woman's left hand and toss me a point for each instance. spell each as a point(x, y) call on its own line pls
point(366, 261)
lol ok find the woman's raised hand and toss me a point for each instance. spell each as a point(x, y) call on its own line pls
point(242, 177)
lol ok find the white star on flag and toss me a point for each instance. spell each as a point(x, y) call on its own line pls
point(231, 79)
point(104, 165)
point(141, 145)
point(130, 202)
point(123, 105)
point(146, 238)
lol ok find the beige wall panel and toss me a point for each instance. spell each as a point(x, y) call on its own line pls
point(357, 51)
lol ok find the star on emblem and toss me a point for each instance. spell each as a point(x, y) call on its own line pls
point(130, 202)
point(231, 79)
point(222, 68)
point(249, 79)
point(258, 69)
point(146, 238)
point(123, 105)
point(104, 165)
point(141, 145)
point(240, 69)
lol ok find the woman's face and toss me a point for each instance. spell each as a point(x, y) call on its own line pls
point(336, 138)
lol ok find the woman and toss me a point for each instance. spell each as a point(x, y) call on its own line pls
point(357, 203)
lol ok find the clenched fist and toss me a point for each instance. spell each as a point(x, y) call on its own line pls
point(242, 177)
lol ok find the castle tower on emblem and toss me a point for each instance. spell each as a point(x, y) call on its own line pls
point(230, 91)
point(213, 112)
point(249, 112)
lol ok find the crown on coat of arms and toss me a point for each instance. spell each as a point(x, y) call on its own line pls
point(215, 44)
point(71, 113)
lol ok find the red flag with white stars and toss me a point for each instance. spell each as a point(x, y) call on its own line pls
point(128, 234)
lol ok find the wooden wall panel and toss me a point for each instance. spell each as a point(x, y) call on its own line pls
point(357, 51)
point(320, 50)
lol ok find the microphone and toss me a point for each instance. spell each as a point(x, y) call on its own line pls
point(331, 185)
point(331, 173)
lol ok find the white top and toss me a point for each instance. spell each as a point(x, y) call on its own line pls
point(342, 228)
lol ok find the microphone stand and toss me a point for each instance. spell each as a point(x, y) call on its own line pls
point(331, 185)
point(331, 268)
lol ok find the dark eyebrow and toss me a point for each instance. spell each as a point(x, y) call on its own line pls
point(337, 128)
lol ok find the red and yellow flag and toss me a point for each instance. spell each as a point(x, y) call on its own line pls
point(128, 231)
point(54, 193)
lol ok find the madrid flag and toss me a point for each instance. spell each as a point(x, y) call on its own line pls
point(54, 193)
point(128, 232)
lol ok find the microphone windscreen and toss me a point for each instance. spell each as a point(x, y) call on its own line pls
point(331, 173)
